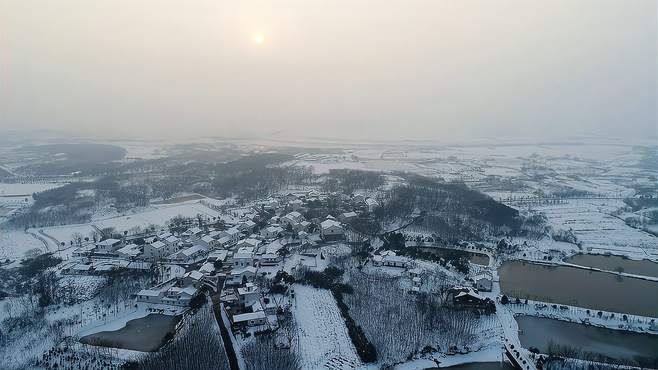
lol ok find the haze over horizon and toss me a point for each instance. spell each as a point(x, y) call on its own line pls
point(358, 69)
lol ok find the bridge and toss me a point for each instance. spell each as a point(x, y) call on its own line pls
point(518, 357)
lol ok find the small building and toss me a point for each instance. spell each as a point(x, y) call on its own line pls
point(347, 216)
point(243, 257)
point(371, 204)
point(129, 251)
point(331, 229)
point(158, 250)
point(250, 319)
point(270, 259)
point(233, 234)
point(107, 246)
point(217, 255)
point(189, 255)
point(390, 260)
point(240, 275)
point(271, 232)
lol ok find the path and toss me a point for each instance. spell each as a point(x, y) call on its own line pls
point(41, 239)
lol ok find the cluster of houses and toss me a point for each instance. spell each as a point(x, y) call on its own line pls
point(224, 258)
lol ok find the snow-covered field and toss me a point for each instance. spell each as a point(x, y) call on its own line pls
point(156, 215)
point(15, 243)
point(323, 338)
point(14, 189)
point(592, 224)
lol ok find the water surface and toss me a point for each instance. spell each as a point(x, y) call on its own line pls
point(615, 345)
point(147, 334)
point(615, 263)
point(579, 287)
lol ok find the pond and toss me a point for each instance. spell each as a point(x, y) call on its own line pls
point(579, 287)
point(584, 341)
point(615, 263)
point(147, 334)
point(480, 366)
point(476, 258)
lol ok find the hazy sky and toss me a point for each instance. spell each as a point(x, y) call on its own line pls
point(362, 68)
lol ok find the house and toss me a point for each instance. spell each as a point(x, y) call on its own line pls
point(209, 240)
point(240, 274)
point(189, 255)
point(168, 295)
point(347, 216)
point(158, 250)
point(84, 250)
point(129, 251)
point(249, 243)
point(233, 234)
point(371, 204)
point(177, 296)
point(248, 295)
point(390, 260)
point(193, 278)
point(331, 229)
point(292, 218)
point(483, 282)
point(150, 296)
point(223, 242)
point(247, 226)
point(171, 240)
point(195, 231)
point(470, 298)
point(270, 259)
point(244, 257)
point(107, 246)
point(207, 268)
point(217, 255)
point(271, 232)
point(250, 319)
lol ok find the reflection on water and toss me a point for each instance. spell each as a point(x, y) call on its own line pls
point(615, 263)
point(146, 334)
point(616, 345)
point(579, 287)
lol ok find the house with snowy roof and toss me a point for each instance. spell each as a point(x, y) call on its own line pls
point(330, 229)
point(158, 250)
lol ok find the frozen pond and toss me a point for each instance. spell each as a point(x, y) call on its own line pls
point(615, 263)
point(585, 341)
point(579, 287)
point(147, 334)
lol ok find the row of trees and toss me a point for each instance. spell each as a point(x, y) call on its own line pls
point(400, 324)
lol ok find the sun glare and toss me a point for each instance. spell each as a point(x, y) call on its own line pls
point(258, 38)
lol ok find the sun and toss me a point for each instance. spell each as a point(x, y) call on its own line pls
point(258, 38)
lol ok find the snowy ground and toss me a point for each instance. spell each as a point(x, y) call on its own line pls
point(15, 243)
point(143, 218)
point(15, 189)
point(323, 338)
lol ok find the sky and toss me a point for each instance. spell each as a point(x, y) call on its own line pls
point(412, 69)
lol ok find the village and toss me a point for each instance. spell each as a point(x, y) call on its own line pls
point(395, 270)
point(241, 266)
